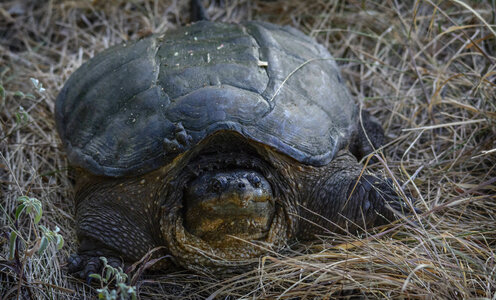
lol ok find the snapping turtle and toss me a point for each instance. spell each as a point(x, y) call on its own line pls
point(216, 141)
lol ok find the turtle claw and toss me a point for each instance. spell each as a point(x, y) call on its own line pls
point(82, 266)
point(385, 200)
point(396, 201)
point(74, 263)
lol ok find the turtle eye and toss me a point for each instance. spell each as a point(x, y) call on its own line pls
point(218, 184)
point(254, 180)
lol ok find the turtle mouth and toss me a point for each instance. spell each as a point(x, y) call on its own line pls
point(224, 151)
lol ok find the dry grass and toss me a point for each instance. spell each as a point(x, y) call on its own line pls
point(426, 69)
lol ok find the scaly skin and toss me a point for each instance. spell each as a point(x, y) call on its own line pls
point(348, 202)
point(114, 219)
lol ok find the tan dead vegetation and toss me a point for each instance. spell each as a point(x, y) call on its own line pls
point(426, 69)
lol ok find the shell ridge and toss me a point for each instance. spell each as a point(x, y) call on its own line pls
point(275, 142)
point(154, 59)
point(261, 57)
point(224, 90)
point(241, 87)
point(263, 37)
point(273, 88)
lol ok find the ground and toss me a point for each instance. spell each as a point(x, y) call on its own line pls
point(425, 69)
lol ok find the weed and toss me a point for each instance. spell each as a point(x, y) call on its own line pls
point(116, 278)
point(23, 247)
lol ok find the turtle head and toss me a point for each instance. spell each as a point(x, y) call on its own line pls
point(223, 203)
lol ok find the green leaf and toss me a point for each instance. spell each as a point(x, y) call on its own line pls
point(35, 82)
point(36, 203)
point(123, 289)
point(44, 230)
point(23, 199)
point(43, 245)
point(96, 276)
point(21, 116)
point(60, 242)
point(12, 244)
point(19, 94)
point(39, 212)
point(108, 274)
point(2, 92)
point(103, 293)
point(19, 210)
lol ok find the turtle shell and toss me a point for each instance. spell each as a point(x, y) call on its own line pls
point(121, 111)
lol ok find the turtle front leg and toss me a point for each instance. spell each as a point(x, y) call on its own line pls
point(88, 259)
point(114, 220)
point(345, 201)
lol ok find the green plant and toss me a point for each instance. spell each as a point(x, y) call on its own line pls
point(117, 278)
point(23, 247)
point(34, 206)
point(2, 95)
point(21, 116)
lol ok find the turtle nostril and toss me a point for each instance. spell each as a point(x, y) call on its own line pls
point(254, 179)
point(241, 185)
